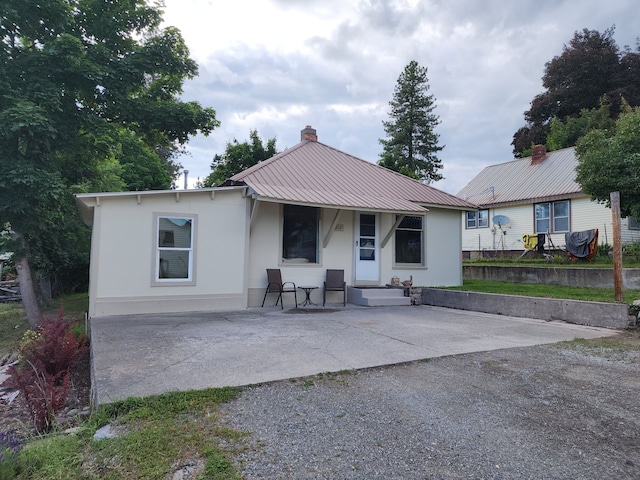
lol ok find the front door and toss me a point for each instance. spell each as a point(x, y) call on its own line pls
point(367, 250)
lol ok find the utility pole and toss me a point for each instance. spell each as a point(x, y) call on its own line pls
point(617, 246)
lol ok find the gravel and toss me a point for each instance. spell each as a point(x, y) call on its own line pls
point(531, 413)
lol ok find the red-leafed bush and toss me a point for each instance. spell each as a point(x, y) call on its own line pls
point(43, 373)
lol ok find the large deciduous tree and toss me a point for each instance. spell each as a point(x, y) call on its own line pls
point(610, 162)
point(238, 157)
point(88, 101)
point(591, 68)
point(411, 145)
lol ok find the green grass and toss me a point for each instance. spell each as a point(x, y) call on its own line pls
point(544, 290)
point(557, 260)
point(13, 321)
point(157, 433)
point(13, 324)
point(607, 347)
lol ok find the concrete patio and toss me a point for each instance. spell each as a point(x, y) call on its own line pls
point(140, 355)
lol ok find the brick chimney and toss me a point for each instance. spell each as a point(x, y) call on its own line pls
point(308, 133)
point(538, 154)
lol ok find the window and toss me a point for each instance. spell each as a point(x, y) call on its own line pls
point(174, 249)
point(409, 240)
point(479, 219)
point(300, 234)
point(633, 223)
point(552, 217)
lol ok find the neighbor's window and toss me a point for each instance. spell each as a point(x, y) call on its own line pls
point(633, 223)
point(300, 234)
point(174, 248)
point(478, 219)
point(410, 240)
point(552, 217)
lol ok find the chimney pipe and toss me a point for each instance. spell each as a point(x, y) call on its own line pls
point(308, 133)
point(538, 154)
point(186, 174)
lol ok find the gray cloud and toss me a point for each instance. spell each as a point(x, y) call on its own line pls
point(485, 61)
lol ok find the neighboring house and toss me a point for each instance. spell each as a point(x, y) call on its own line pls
point(537, 194)
point(305, 210)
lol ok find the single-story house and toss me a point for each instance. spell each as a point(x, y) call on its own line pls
point(307, 209)
point(532, 195)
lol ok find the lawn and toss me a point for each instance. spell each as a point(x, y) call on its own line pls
point(544, 290)
point(157, 437)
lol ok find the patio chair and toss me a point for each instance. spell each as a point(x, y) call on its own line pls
point(335, 283)
point(275, 285)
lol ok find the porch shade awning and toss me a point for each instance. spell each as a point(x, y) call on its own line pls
point(330, 199)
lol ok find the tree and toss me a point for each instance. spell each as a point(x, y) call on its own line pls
point(591, 68)
point(564, 134)
point(85, 87)
point(238, 157)
point(611, 163)
point(411, 144)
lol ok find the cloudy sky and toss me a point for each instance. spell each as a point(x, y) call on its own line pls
point(278, 65)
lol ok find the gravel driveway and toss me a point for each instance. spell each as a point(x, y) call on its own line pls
point(543, 412)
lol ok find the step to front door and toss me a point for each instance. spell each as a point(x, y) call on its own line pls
point(377, 297)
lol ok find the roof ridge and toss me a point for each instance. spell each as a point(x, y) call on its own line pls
point(401, 175)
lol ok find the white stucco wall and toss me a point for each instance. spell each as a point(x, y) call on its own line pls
point(123, 258)
point(231, 254)
point(443, 264)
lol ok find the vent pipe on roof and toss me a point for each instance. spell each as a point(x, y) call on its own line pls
point(308, 133)
point(538, 154)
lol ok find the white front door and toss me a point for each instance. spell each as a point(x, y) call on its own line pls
point(367, 248)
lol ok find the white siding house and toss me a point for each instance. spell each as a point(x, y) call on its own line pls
point(305, 210)
point(537, 194)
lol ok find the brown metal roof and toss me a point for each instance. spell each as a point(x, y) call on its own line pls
point(520, 181)
point(316, 174)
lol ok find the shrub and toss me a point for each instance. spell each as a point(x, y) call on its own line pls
point(43, 373)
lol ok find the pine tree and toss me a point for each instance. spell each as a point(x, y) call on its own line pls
point(411, 145)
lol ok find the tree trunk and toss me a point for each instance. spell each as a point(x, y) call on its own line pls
point(28, 292)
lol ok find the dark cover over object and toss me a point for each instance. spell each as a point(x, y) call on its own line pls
point(578, 242)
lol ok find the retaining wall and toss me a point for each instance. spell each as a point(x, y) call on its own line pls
point(596, 314)
point(566, 276)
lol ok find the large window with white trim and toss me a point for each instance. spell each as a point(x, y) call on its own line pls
point(477, 219)
point(174, 248)
point(552, 217)
point(300, 230)
point(409, 241)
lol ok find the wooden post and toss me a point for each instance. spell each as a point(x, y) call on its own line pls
point(617, 247)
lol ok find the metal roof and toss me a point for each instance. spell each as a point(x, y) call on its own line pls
point(313, 173)
point(520, 181)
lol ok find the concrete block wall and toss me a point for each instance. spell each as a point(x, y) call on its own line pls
point(596, 314)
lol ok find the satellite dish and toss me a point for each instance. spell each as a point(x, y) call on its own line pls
point(501, 220)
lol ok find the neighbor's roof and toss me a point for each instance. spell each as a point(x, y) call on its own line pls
point(312, 173)
point(519, 181)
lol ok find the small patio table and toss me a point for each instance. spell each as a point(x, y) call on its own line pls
point(307, 291)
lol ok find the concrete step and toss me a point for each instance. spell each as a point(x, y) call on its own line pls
point(377, 297)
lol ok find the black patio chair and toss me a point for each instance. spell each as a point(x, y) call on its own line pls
point(335, 283)
point(275, 285)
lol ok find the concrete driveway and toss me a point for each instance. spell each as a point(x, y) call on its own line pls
point(140, 355)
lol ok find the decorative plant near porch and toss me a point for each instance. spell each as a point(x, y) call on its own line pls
point(44, 370)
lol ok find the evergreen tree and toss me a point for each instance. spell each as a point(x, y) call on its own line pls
point(412, 144)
